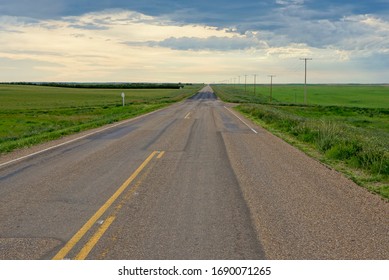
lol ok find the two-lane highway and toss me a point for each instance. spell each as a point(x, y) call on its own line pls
point(192, 181)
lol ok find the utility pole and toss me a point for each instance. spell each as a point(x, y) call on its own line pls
point(305, 83)
point(245, 83)
point(271, 87)
point(255, 82)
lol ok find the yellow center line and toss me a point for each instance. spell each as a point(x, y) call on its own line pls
point(83, 254)
point(85, 228)
point(160, 154)
point(94, 239)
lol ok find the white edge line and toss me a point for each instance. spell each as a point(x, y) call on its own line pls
point(241, 120)
point(187, 116)
point(78, 138)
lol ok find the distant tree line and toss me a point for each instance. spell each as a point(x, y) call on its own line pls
point(106, 85)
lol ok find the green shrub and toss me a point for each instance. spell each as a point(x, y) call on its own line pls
point(343, 151)
point(304, 132)
point(328, 135)
point(374, 158)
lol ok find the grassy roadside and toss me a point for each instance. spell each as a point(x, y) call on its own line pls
point(31, 115)
point(353, 140)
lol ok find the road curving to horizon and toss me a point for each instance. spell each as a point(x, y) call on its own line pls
point(195, 180)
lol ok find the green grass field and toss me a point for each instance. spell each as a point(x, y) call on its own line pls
point(365, 96)
point(347, 128)
point(34, 114)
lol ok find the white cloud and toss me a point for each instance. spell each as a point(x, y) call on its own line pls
point(290, 2)
point(91, 46)
point(213, 43)
point(119, 45)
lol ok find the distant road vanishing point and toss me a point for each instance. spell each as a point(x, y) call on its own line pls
point(193, 181)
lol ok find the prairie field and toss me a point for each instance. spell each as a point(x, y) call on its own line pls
point(365, 96)
point(34, 114)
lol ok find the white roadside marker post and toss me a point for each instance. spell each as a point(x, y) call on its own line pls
point(123, 95)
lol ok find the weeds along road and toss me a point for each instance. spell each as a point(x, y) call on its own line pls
point(192, 181)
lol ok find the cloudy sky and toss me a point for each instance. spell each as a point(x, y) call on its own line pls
point(194, 40)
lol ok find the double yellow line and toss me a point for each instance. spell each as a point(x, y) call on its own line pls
point(106, 224)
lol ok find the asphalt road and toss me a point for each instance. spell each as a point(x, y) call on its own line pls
point(192, 181)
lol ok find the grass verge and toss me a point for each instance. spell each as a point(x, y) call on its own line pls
point(353, 140)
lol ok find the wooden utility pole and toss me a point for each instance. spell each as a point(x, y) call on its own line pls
point(305, 83)
point(245, 83)
point(271, 87)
